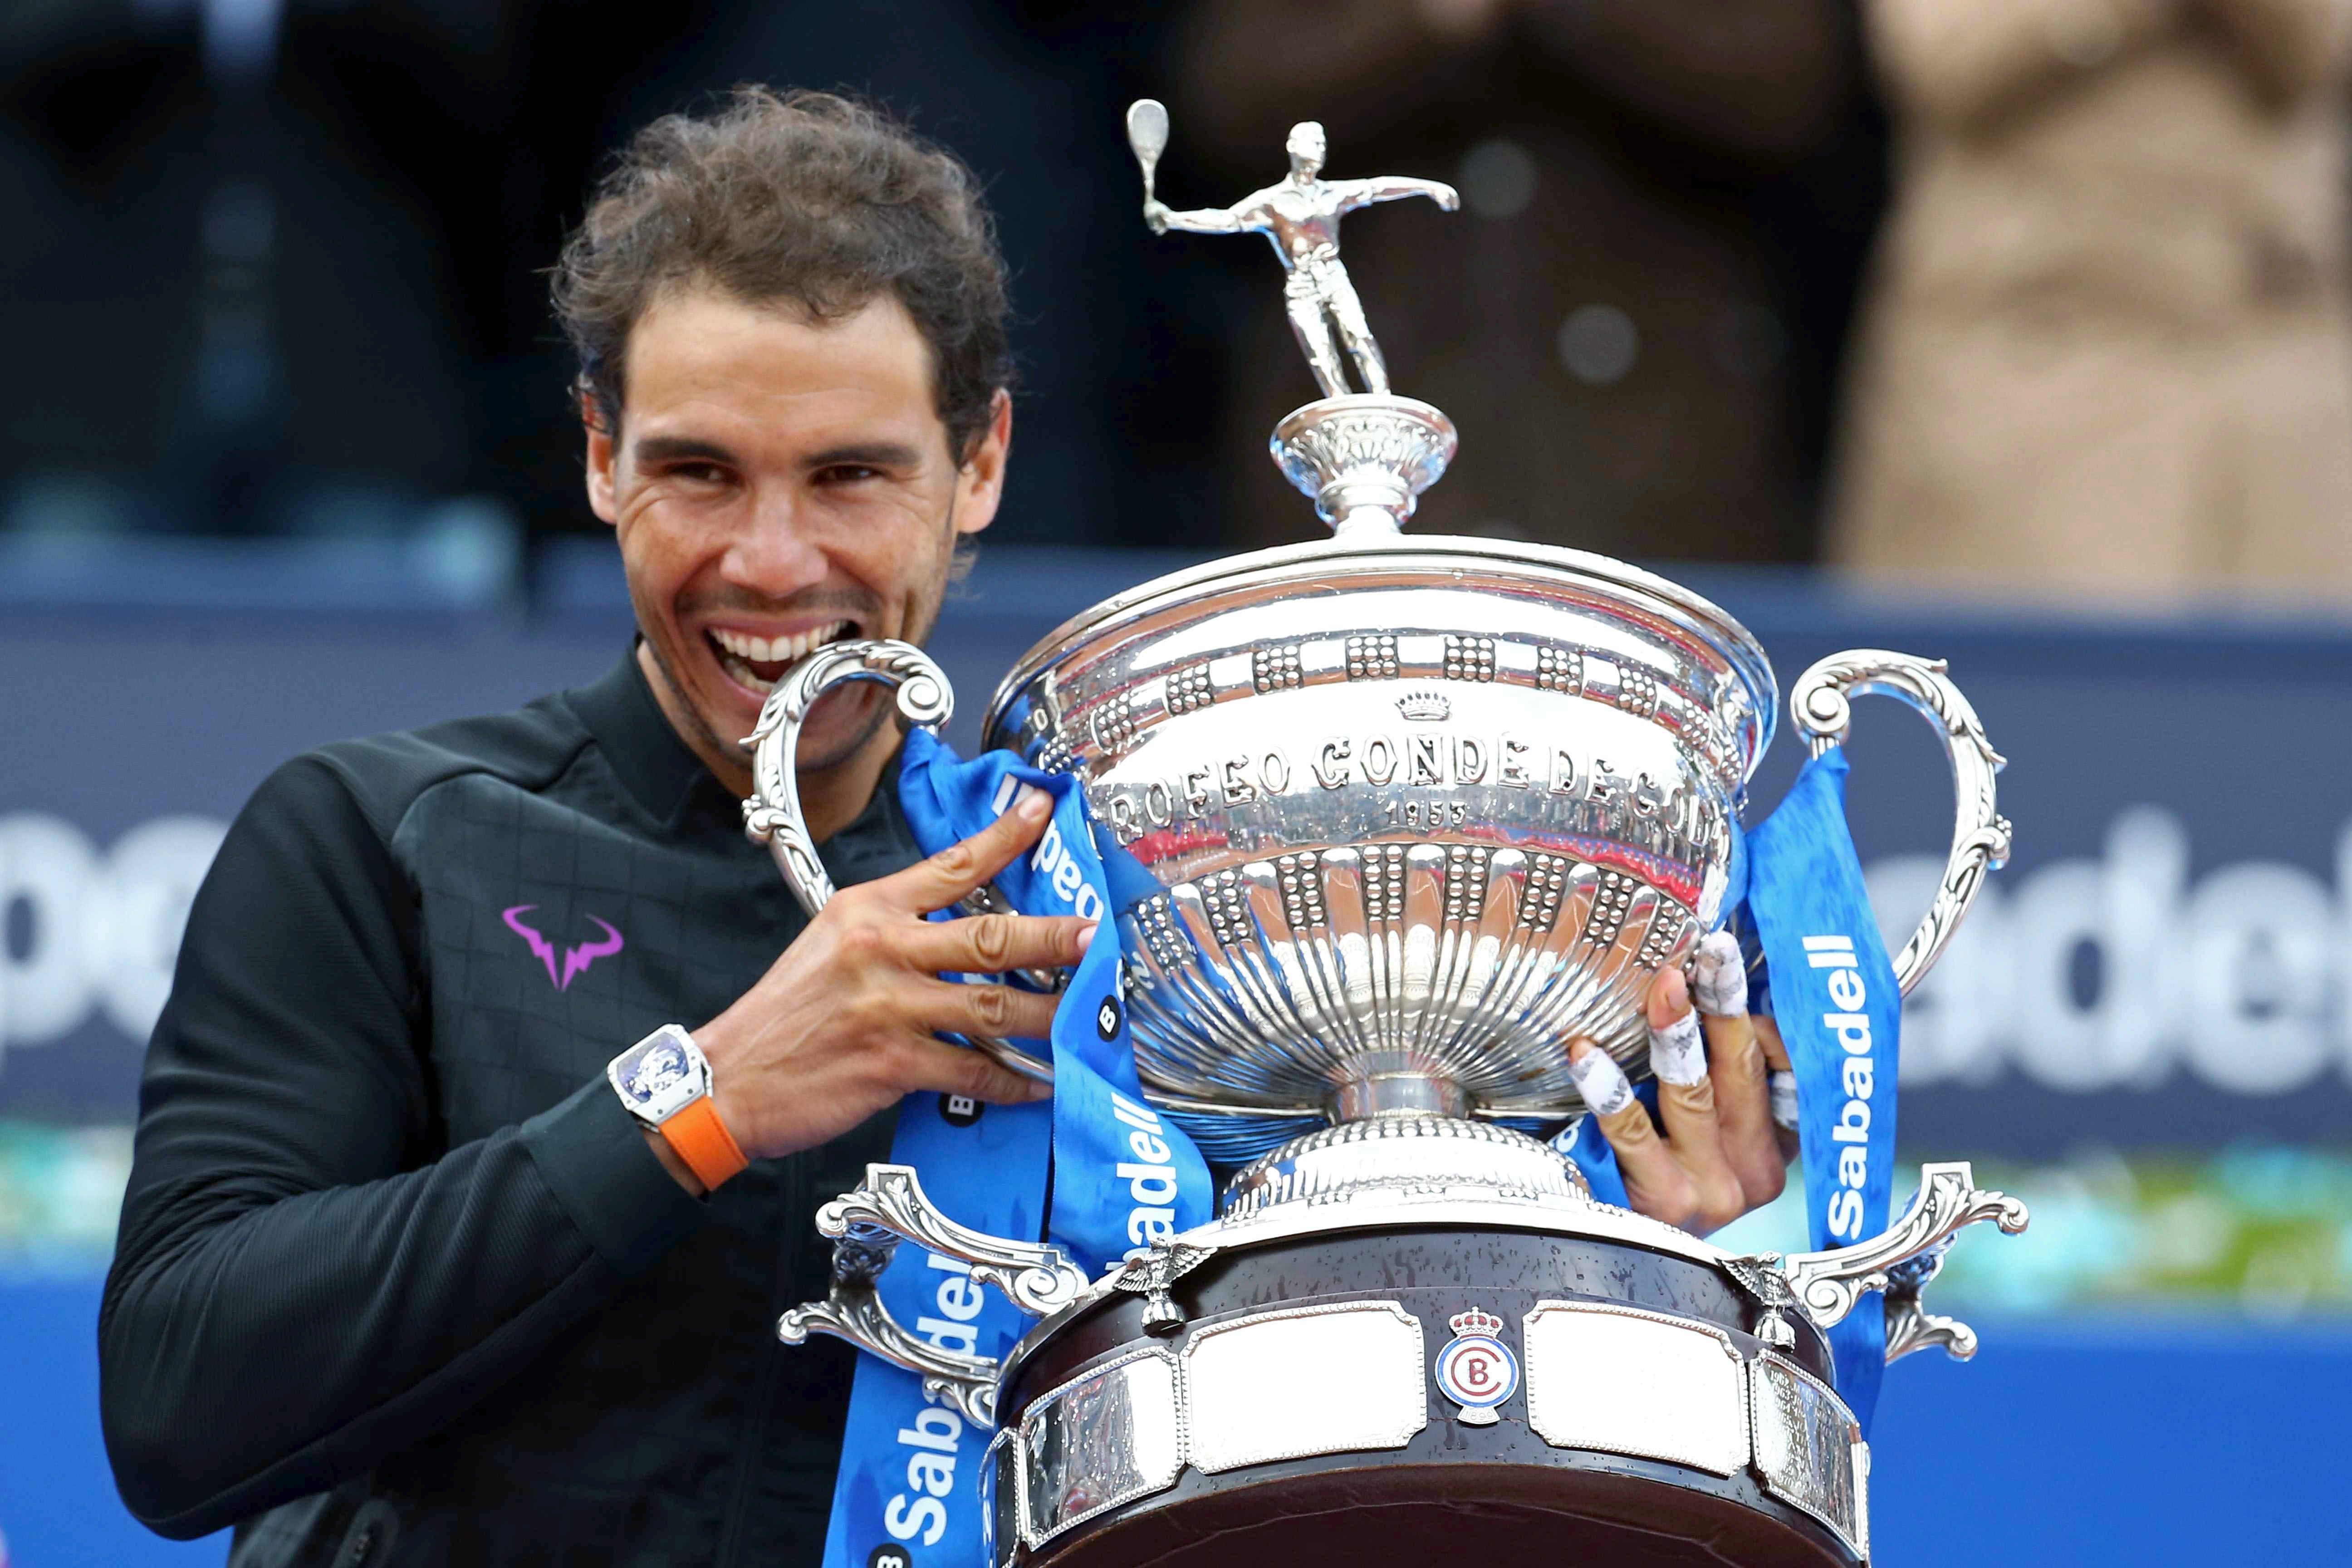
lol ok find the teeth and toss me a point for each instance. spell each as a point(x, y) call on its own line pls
point(772, 651)
point(743, 672)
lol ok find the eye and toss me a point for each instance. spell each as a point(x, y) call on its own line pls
point(847, 474)
point(699, 473)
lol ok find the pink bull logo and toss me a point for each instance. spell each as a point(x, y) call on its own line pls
point(576, 960)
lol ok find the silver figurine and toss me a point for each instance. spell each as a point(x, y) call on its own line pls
point(1363, 457)
point(1301, 217)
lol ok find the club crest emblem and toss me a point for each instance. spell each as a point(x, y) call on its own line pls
point(1476, 1370)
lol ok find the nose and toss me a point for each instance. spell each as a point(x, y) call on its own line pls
point(776, 555)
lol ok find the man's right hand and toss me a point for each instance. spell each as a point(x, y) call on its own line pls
point(846, 1021)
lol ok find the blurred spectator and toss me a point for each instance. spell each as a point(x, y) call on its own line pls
point(2108, 348)
point(176, 182)
point(273, 251)
point(1604, 326)
point(279, 263)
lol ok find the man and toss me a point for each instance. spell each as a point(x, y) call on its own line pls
point(401, 1278)
point(1301, 217)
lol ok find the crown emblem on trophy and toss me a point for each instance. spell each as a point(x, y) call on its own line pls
point(1425, 707)
point(1476, 1320)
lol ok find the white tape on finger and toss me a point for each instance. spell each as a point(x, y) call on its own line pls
point(1783, 1085)
point(1602, 1082)
point(1678, 1052)
point(1719, 976)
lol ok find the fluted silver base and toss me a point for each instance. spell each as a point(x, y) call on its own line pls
point(1403, 1154)
point(1364, 458)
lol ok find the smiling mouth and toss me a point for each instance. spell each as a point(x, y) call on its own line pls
point(758, 663)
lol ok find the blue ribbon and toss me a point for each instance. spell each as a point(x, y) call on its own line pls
point(1832, 991)
point(911, 1485)
point(1835, 997)
point(1120, 1177)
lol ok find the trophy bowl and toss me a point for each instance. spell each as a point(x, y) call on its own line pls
point(1411, 813)
point(1390, 821)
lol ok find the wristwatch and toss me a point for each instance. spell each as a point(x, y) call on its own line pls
point(665, 1084)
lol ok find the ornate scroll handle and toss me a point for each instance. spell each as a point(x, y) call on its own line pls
point(867, 1224)
point(1909, 1325)
point(1820, 703)
point(772, 815)
point(852, 1310)
point(1826, 1285)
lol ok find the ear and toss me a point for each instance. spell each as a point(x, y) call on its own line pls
point(980, 484)
point(601, 451)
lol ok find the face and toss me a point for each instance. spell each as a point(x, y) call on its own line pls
point(777, 484)
point(1306, 147)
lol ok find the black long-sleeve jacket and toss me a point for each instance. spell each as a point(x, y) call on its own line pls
point(398, 1280)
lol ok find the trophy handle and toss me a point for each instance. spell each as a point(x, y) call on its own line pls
point(1821, 704)
point(868, 1223)
point(772, 815)
point(1899, 1260)
point(1909, 1325)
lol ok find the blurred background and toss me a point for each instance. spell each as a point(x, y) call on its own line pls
point(2008, 330)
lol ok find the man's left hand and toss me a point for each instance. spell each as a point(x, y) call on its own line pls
point(1713, 1153)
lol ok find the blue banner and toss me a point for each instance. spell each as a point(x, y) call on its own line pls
point(1124, 1179)
point(911, 1466)
point(1120, 1176)
point(1834, 998)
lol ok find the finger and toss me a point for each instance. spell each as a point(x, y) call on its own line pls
point(1677, 1053)
point(1686, 1101)
point(991, 944)
point(1655, 1183)
point(1743, 1107)
point(1781, 1081)
point(1736, 1065)
point(1719, 976)
point(960, 1070)
point(945, 1006)
point(956, 870)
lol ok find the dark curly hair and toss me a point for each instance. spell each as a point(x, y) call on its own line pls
point(802, 196)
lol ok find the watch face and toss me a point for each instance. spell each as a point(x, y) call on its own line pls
point(660, 1076)
point(663, 1066)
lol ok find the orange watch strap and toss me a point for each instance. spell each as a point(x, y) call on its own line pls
point(703, 1141)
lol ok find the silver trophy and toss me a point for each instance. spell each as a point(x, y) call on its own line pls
point(1416, 812)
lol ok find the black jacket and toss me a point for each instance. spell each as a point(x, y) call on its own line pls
point(398, 1280)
